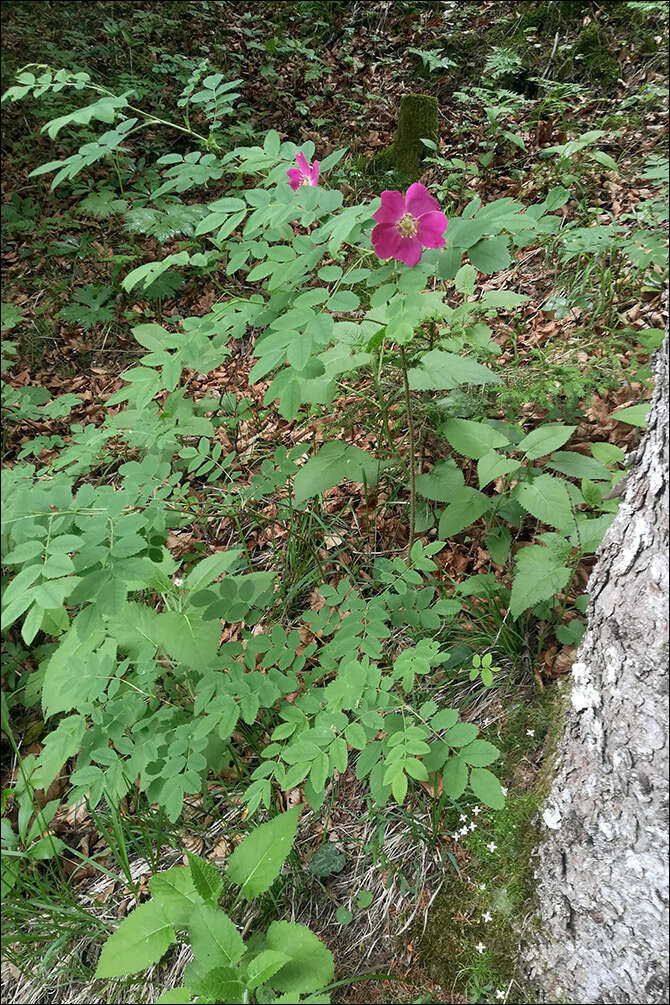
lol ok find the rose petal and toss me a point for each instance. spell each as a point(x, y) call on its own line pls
point(418, 200)
point(409, 250)
point(392, 207)
point(302, 163)
point(432, 228)
point(294, 178)
point(385, 240)
point(314, 174)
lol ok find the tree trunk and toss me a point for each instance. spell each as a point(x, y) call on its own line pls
point(602, 877)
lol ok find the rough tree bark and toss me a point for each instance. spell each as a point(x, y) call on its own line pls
point(602, 877)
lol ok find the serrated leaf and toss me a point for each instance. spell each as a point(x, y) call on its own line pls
point(140, 941)
point(472, 439)
point(487, 788)
point(538, 576)
point(443, 371)
point(335, 462)
point(174, 892)
point(207, 879)
point(546, 498)
point(461, 734)
point(214, 937)
point(310, 965)
point(479, 753)
point(545, 439)
point(490, 255)
point(455, 777)
point(256, 862)
point(469, 506)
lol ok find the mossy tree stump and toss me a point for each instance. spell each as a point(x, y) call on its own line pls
point(417, 120)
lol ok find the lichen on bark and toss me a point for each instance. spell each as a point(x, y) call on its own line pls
point(602, 881)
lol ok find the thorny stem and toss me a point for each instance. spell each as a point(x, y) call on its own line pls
point(412, 470)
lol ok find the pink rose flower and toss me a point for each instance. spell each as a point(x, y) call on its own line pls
point(408, 224)
point(303, 174)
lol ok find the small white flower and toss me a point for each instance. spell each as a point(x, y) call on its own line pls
point(482, 886)
point(177, 582)
point(492, 846)
point(463, 831)
point(487, 916)
point(472, 826)
point(477, 810)
point(500, 995)
point(530, 732)
point(480, 947)
point(504, 789)
point(463, 818)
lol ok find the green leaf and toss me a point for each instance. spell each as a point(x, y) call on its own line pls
point(455, 777)
point(140, 941)
point(175, 996)
point(220, 984)
point(466, 508)
point(444, 719)
point(175, 893)
point(310, 965)
point(461, 734)
point(547, 499)
point(545, 439)
point(576, 465)
point(207, 880)
point(214, 937)
point(490, 255)
point(255, 863)
point(634, 415)
point(327, 860)
point(492, 465)
point(538, 576)
point(443, 482)
point(443, 371)
point(335, 462)
point(264, 966)
point(472, 439)
point(464, 280)
point(487, 788)
point(479, 753)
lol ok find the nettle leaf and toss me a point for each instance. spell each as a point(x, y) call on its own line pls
point(547, 499)
point(264, 966)
point(174, 892)
point(493, 465)
point(443, 371)
point(468, 505)
point(207, 880)
point(334, 463)
point(310, 965)
point(539, 575)
point(545, 439)
point(214, 937)
point(140, 941)
point(472, 439)
point(255, 863)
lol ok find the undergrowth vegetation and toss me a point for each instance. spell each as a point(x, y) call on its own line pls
point(297, 514)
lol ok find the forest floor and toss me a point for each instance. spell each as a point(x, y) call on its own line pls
point(580, 354)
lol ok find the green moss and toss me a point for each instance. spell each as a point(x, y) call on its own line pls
point(597, 63)
point(499, 882)
point(417, 120)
